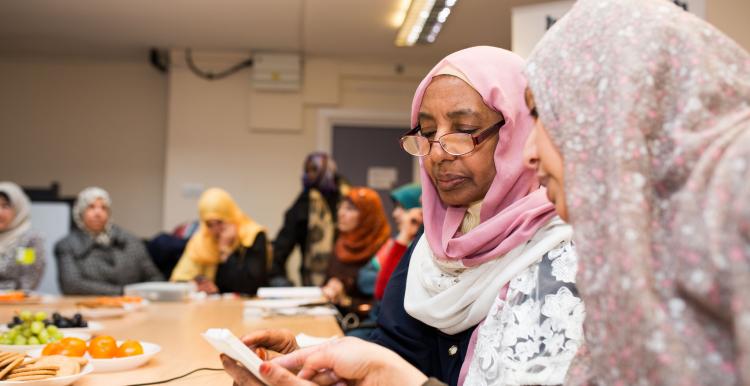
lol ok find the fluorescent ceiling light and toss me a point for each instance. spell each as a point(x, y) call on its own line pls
point(423, 21)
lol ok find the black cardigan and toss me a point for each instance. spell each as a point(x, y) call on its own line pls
point(425, 347)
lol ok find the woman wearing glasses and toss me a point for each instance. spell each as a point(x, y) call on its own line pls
point(493, 251)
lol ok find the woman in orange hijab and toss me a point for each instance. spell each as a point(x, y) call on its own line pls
point(363, 229)
point(228, 253)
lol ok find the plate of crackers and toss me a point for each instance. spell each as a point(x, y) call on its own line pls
point(53, 370)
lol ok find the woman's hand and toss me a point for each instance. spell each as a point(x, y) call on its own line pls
point(352, 360)
point(280, 341)
point(274, 374)
point(334, 290)
point(409, 226)
point(206, 285)
point(342, 361)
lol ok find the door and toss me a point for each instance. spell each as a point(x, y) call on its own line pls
point(372, 156)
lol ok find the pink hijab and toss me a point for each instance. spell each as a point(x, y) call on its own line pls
point(513, 210)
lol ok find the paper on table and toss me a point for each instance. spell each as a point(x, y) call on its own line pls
point(290, 292)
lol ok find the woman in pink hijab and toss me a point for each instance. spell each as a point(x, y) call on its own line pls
point(487, 295)
point(643, 138)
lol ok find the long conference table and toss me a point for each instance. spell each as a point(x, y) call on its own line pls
point(176, 327)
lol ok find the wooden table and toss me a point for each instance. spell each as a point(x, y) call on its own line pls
point(176, 327)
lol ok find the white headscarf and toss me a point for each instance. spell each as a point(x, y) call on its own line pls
point(22, 221)
point(86, 198)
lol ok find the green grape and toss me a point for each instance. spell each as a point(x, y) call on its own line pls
point(25, 315)
point(57, 336)
point(52, 329)
point(36, 327)
point(33, 340)
point(43, 339)
point(40, 316)
point(12, 334)
point(26, 332)
point(16, 329)
point(6, 341)
point(20, 340)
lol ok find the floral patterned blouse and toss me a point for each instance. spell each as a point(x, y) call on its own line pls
point(531, 337)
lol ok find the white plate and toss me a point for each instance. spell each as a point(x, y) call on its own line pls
point(56, 381)
point(92, 327)
point(117, 364)
point(103, 312)
point(27, 348)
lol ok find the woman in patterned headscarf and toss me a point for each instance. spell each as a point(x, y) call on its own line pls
point(310, 223)
point(22, 257)
point(100, 258)
point(643, 138)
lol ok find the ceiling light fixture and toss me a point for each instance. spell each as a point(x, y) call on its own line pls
point(423, 21)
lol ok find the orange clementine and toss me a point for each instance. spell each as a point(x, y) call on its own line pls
point(103, 347)
point(129, 348)
point(53, 348)
point(73, 347)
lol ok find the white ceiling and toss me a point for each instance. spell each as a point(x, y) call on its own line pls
point(128, 28)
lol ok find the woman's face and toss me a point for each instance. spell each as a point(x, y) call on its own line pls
point(348, 217)
point(541, 155)
point(311, 172)
point(95, 216)
point(450, 105)
point(7, 214)
point(215, 227)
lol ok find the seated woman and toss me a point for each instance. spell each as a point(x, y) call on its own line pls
point(407, 213)
point(493, 251)
point(363, 229)
point(100, 258)
point(647, 154)
point(228, 253)
point(21, 249)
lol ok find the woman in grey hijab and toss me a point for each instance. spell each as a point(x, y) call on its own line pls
point(643, 141)
point(100, 257)
point(21, 249)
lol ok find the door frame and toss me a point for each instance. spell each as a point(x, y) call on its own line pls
point(328, 118)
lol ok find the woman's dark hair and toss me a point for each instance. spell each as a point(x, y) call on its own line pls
point(5, 196)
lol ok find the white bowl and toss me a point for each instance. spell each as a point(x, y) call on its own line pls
point(26, 348)
point(55, 381)
point(117, 364)
point(91, 327)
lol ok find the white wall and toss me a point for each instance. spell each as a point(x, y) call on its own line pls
point(86, 122)
point(731, 16)
point(210, 141)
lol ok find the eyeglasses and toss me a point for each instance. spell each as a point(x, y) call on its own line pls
point(453, 143)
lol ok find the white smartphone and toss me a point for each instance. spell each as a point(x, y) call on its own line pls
point(225, 342)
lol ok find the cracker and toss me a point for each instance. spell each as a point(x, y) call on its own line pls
point(33, 372)
point(24, 369)
point(12, 365)
point(11, 359)
point(7, 354)
point(67, 365)
point(33, 377)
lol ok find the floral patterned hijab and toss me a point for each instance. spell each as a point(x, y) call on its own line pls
point(649, 107)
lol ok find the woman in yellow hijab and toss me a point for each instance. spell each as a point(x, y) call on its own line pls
point(229, 252)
